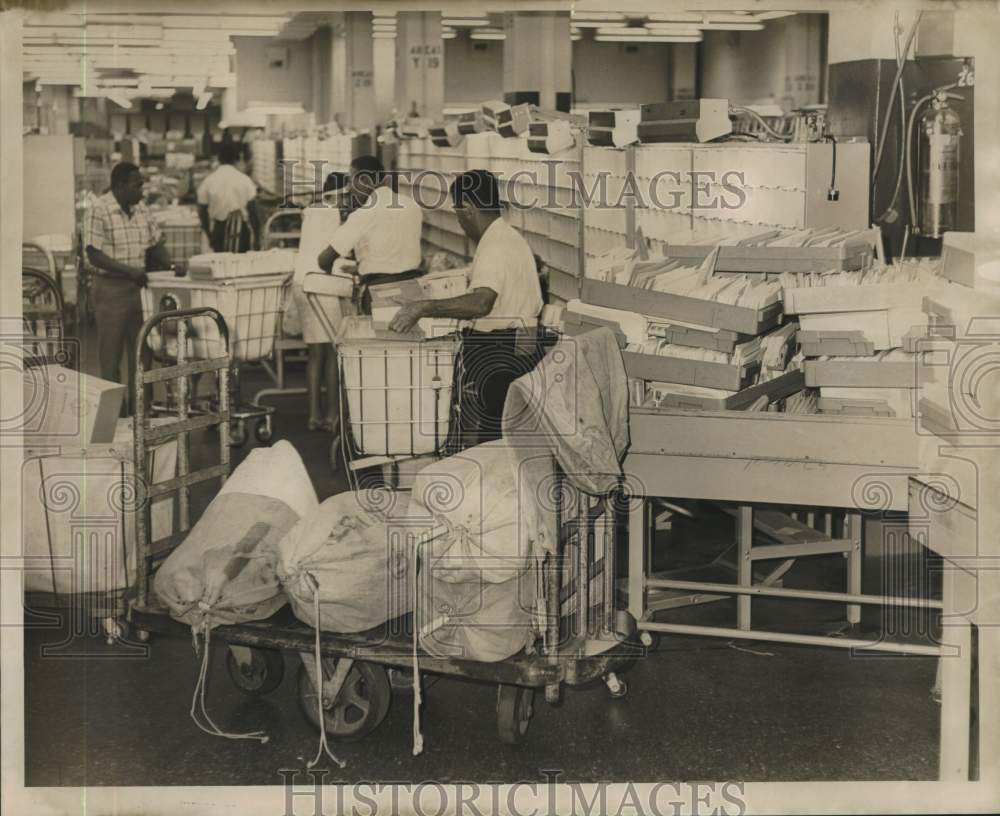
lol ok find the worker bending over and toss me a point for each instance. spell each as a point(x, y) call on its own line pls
point(383, 231)
point(122, 241)
point(504, 300)
point(227, 205)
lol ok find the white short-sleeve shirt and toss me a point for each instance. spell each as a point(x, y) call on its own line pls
point(384, 234)
point(226, 190)
point(505, 263)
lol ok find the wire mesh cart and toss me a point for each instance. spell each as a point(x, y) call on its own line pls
point(582, 632)
point(398, 399)
point(250, 307)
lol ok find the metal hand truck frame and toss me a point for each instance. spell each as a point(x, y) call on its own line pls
point(591, 637)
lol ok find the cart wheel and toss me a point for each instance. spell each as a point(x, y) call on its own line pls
point(358, 710)
point(617, 688)
point(262, 675)
point(514, 710)
point(237, 433)
point(114, 630)
point(264, 430)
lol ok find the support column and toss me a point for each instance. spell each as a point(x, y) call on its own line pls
point(538, 59)
point(419, 64)
point(353, 72)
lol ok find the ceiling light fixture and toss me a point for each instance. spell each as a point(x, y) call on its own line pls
point(647, 38)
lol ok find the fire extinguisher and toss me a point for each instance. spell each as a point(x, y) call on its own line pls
point(938, 154)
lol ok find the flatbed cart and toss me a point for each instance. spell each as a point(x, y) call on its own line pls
point(590, 637)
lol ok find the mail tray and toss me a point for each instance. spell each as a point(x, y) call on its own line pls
point(741, 319)
point(662, 368)
point(860, 373)
point(778, 388)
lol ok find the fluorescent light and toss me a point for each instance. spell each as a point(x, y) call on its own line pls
point(383, 35)
point(773, 15)
point(448, 35)
point(598, 23)
point(470, 22)
point(487, 35)
point(624, 32)
point(596, 15)
point(671, 29)
point(647, 38)
point(731, 26)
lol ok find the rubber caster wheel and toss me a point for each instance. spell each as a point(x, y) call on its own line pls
point(237, 434)
point(649, 639)
point(360, 706)
point(514, 710)
point(262, 675)
point(114, 630)
point(617, 688)
point(264, 431)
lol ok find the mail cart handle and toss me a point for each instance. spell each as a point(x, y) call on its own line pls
point(181, 314)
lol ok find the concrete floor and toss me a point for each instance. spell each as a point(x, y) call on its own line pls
point(696, 709)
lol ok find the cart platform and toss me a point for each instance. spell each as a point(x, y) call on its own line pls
point(387, 646)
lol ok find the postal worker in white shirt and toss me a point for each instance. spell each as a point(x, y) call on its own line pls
point(227, 204)
point(383, 230)
point(503, 300)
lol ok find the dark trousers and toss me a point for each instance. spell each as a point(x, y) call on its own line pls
point(118, 314)
point(224, 239)
point(491, 361)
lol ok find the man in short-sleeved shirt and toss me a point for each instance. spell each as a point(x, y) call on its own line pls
point(383, 230)
point(122, 240)
point(228, 192)
point(504, 298)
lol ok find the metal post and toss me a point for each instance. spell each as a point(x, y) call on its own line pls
point(638, 528)
point(853, 533)
point(183, 463)
point(744, 566)
point(583, 566)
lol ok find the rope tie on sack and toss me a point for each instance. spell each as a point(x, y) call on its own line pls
point(198, 700)
point(323, 747)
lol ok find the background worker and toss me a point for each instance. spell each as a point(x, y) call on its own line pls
point(504, 299)
point(227, 205)
point(318, 223)
point(122, 242)
point(383, 230)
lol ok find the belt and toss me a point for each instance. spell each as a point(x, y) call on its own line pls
point(379, 278)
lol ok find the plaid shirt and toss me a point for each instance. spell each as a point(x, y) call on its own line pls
point(123, 238)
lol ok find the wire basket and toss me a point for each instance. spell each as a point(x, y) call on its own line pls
point(398, 394)
point(250, 307)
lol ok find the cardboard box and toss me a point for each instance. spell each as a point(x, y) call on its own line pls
point(62, 406)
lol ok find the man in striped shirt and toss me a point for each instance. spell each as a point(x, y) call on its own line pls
point(122, 241)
